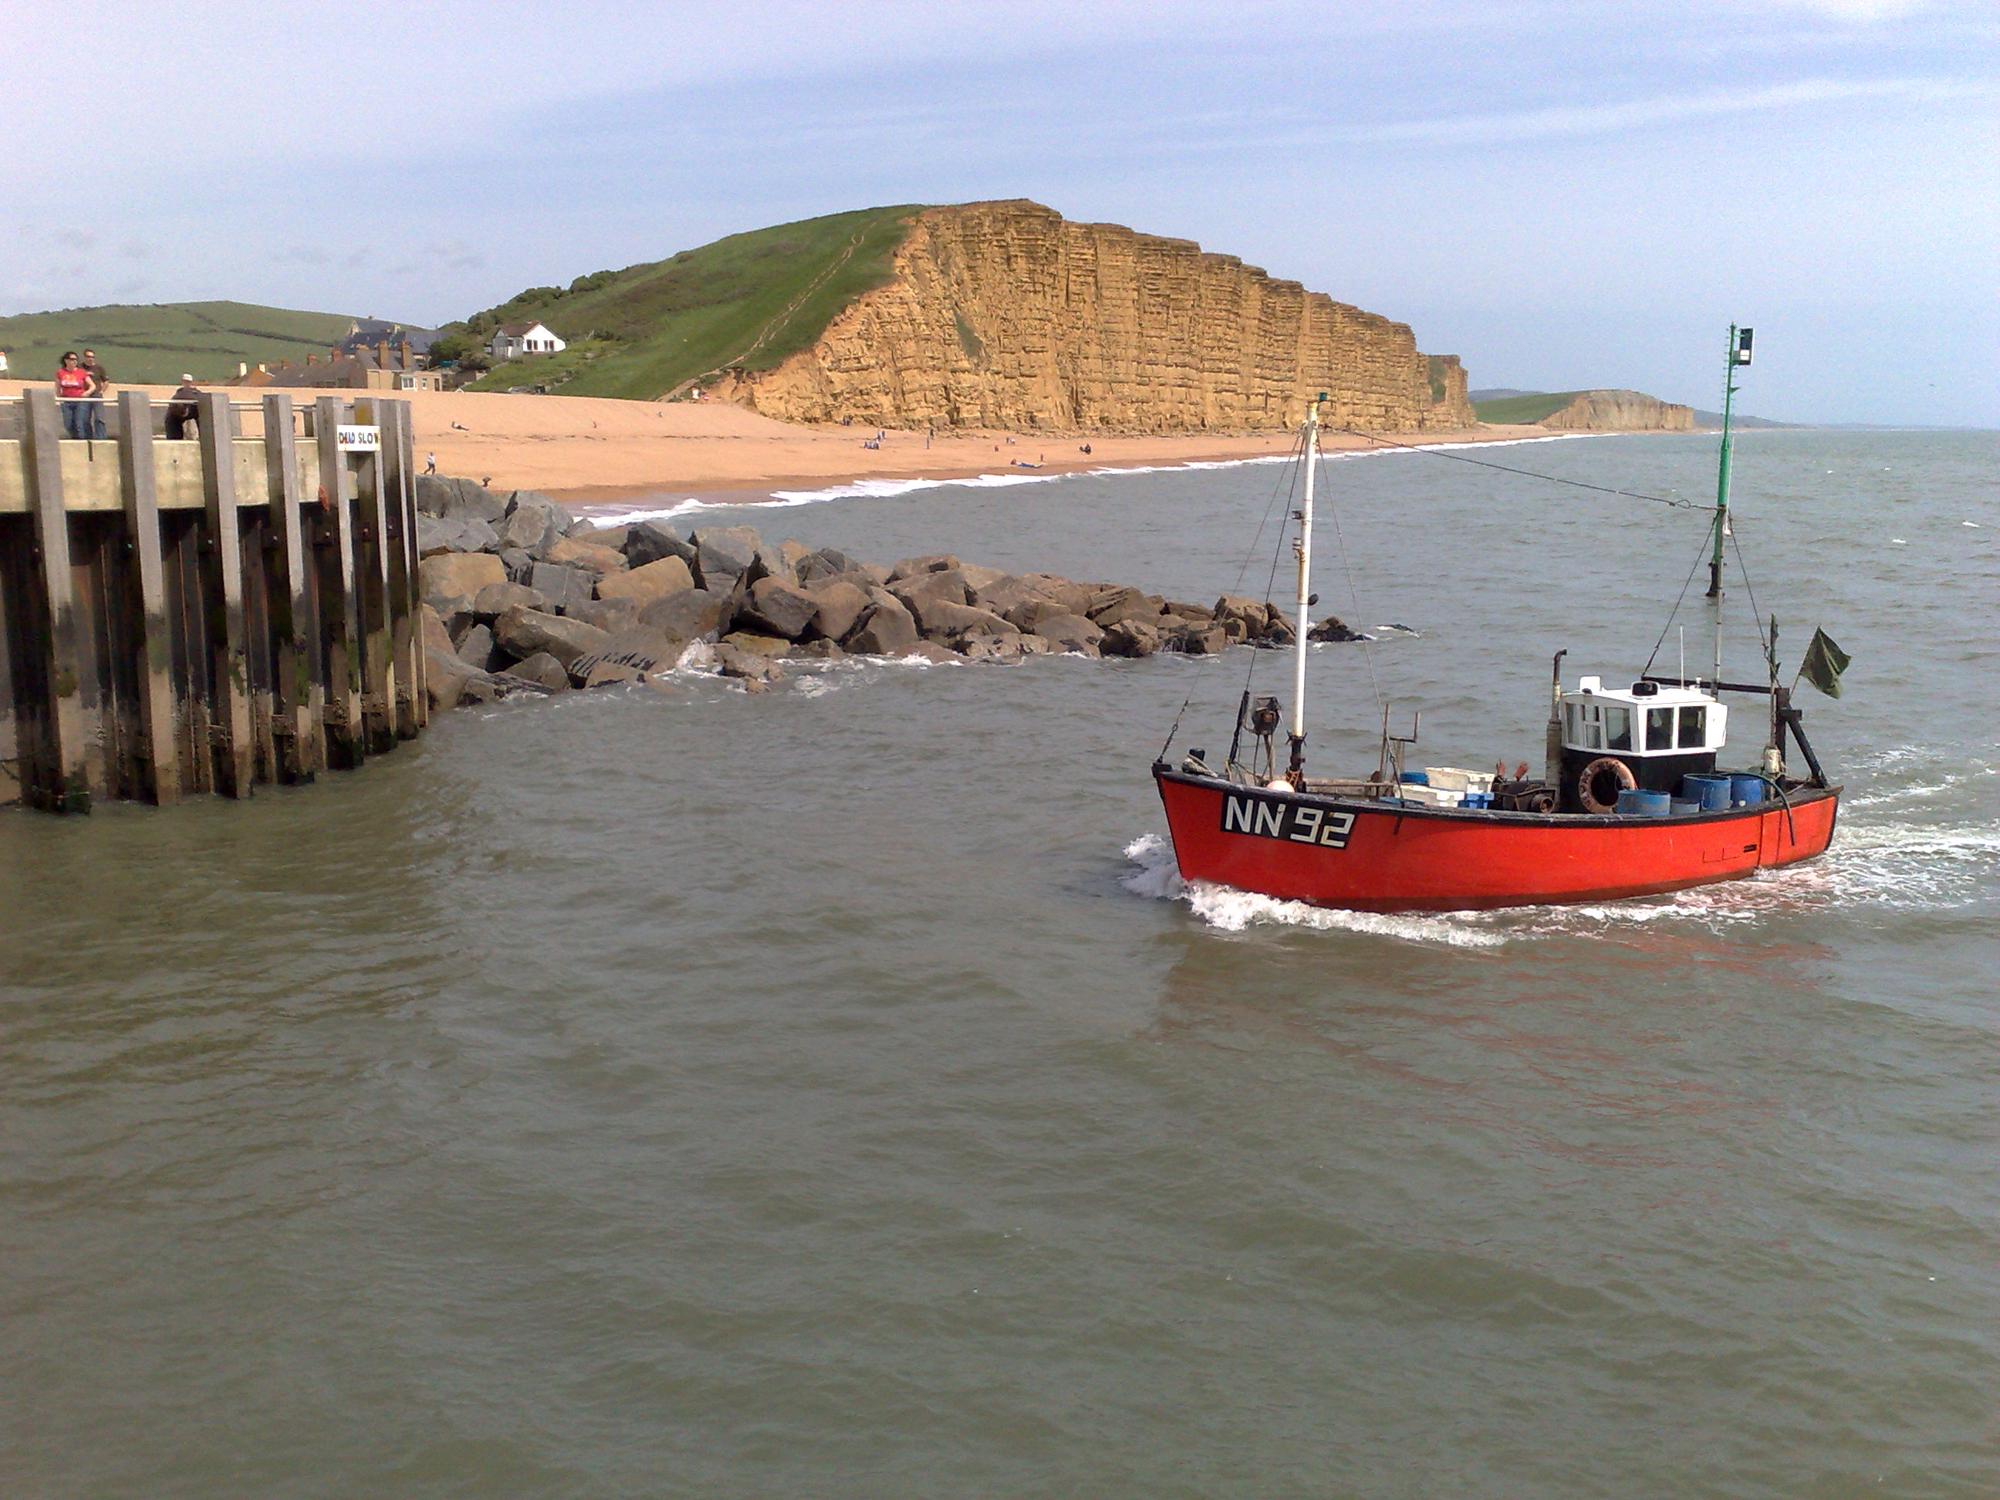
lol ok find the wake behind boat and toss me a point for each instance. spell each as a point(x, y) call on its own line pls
point(1631, 801)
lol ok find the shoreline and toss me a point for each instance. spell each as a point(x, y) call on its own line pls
point(599, 452)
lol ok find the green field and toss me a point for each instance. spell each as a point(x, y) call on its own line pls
point(748, 300)
point(1523, 410)
point(153, 344)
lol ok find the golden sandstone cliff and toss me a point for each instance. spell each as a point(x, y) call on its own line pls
point(1008, 315)
point(1620, 411)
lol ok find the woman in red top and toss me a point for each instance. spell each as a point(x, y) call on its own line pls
point(72, 385)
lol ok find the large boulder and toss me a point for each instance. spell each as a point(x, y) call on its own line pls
point(725, 554)
point(748, 666)
point(655, 580)
point(792, 552)
point(887, 629)
point(449, 681)
point(837, 607)
point(606, 614)
point(523, 632)
point(1130, 638)
point(590, 556)
point(614, 537)
point(1114, 606)
point(633, 652)
point(944, 586)
point(475, 648)
point(1333, 628)
point(692, 614)
point(776, 607)
point(1071, 633)
point(497, 598)
point(562, 586)
point(828, 562)
point(941, 620)
point(436, 535)
point(450, 581)
point(460, 500)
point(533, 522)
point(432, 630)
point(1196, 638)
point(520, 565)
point(910, 567)
point(543, 671)
point(649, 541)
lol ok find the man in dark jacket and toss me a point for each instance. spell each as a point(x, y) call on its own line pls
point(181, 410)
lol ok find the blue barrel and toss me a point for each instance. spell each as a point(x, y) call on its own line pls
point(1712, 792)
point(1746, 791)
point(1681, 807)
point(1478, 799)
point(1643, 804)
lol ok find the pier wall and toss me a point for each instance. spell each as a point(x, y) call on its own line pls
point(198, 616)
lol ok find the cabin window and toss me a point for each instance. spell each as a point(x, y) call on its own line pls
point(1617, 728)
point(1694, 729)
point(1659, 729)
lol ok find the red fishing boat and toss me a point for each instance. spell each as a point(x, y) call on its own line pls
point(1630, 803)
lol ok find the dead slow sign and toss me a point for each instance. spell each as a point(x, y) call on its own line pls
point(1282, 818)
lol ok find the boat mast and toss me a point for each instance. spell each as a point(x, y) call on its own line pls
point(1739, 354)
point(1296, 771)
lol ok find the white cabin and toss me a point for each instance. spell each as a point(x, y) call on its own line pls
point(1647, 718)
point(510, 340)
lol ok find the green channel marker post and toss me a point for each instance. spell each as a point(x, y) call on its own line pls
point(1739, 354)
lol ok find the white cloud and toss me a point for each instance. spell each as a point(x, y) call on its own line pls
point(1631, 114)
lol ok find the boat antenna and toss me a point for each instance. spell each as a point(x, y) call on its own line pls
point(1738, 354)
point(1296, 771)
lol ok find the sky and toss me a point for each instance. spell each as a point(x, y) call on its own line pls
point(1564, 195)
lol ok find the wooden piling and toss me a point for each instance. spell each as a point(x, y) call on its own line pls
point(158, 772)
point(60, 780)
point(378, 664)
point(299, 701)
point(340, 628)
point(222, 592)
point(401, 511)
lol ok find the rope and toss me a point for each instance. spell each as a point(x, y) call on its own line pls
point(1289, 472)
point(1354, 598)
point(1481, 463)
point(1685, 585)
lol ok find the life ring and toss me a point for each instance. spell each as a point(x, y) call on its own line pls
point(1587, 780)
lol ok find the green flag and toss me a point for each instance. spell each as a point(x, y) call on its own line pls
point(1823, 664)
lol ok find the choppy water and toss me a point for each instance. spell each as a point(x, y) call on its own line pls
point(833, 1092)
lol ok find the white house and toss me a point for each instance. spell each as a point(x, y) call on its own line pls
point(512, 339)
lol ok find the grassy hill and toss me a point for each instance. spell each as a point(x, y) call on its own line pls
point(145, 344)
point(1523, 408)
point(750, 300)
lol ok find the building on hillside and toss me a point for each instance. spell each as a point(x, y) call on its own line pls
point(511, 340)
point(380, 367)
point(365, 334)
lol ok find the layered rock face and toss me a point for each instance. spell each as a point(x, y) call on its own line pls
point(1007, 315)
point(1620, 411)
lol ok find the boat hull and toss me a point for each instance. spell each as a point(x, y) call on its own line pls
point(1362, 856)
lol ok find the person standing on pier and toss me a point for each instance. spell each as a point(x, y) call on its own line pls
point(100, 392)
point(181, 410)
point(72, 387)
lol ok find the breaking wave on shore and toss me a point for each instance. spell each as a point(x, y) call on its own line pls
point(889, 489)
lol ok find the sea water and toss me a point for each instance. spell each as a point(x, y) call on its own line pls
point(836, 1091)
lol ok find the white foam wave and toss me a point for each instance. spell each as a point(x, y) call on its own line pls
point(1228, 910)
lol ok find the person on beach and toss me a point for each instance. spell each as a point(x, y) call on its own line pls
point(181, 409)
point(72, 388)
point(100, 391)
point(430, 463)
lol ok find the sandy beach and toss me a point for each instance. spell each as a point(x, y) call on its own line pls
point(594, 451)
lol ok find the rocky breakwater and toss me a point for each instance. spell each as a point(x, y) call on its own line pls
point(519, 597)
